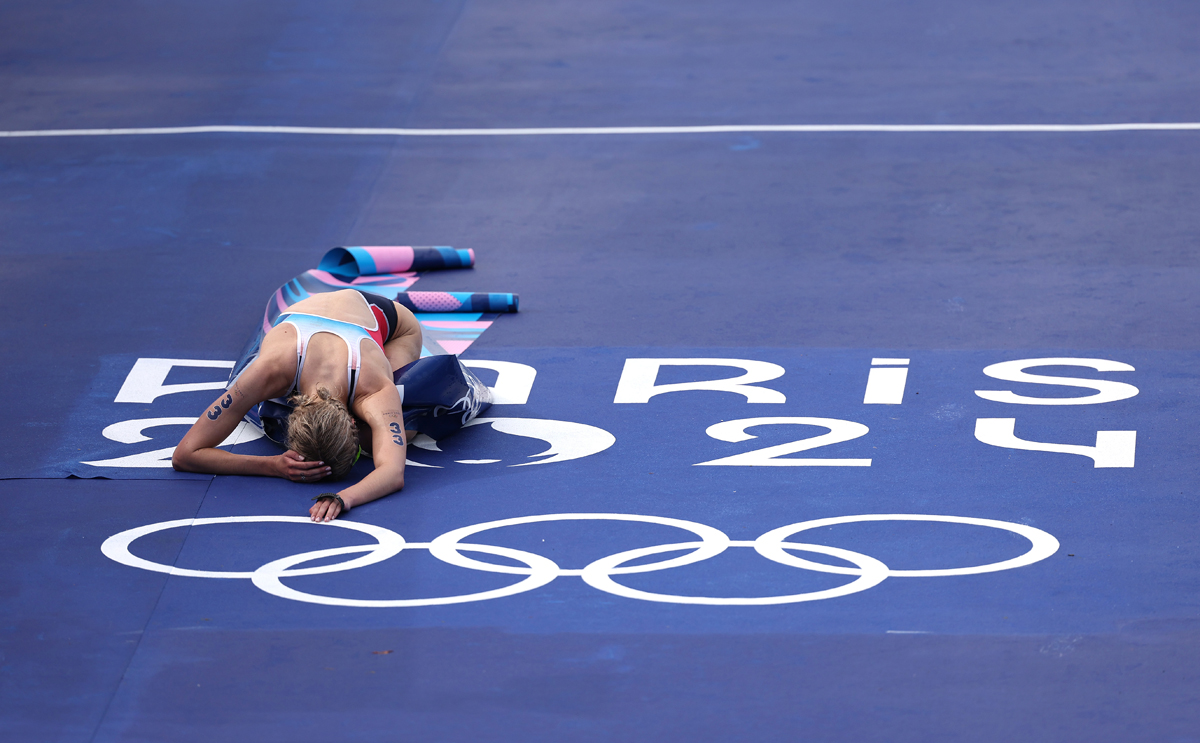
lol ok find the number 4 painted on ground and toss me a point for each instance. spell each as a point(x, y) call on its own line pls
point(1112, 449)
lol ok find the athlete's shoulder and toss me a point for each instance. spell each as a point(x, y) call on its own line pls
point(273, 371)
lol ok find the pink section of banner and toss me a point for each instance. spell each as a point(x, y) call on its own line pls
point(434, 301)
point(456, 324)
point(391, 259)
point(399, 280)
point(455, 347)
point(394, 281)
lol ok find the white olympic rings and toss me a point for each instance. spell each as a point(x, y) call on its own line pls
point(539, 571)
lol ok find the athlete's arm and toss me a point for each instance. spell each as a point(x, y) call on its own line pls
point(198, 451)
point(381, 412)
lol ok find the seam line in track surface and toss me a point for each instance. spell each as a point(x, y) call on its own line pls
point(149, 618)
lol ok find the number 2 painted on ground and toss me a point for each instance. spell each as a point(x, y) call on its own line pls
point(735, 431)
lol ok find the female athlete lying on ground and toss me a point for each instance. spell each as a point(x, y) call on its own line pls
point(332, 357)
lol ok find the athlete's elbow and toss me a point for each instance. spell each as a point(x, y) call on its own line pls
point(396, 481)
point(181, 460)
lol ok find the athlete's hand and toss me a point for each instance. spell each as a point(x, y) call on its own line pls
point(326, 509)
point(294, 467)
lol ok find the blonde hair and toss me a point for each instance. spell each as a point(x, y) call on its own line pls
point(321, 428)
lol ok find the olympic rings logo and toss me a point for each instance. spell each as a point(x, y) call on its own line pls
point(602, 574)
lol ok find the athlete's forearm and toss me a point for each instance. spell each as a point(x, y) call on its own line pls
point(221, 462)
point(384, 480)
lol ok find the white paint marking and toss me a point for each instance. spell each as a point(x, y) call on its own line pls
point(567, 440)
point(1014, 371)
point(514, 381)
point(1112, 449)
point(146, 381)
point(885, 385)
point(602, 130)
point(638, 381)
point(539, 570)
point(735, 431)
point(130, 432)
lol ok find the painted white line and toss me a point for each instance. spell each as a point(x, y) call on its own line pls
point(602, 130)
point(885, 385)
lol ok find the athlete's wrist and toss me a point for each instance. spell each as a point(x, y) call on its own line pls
point(334, 497)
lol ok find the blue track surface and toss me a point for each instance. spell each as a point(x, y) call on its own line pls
point(820, 253)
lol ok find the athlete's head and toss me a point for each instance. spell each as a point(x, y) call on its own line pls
point(322, 429)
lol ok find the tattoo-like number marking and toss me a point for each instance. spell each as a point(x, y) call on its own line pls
point(397, 433)
point(218, 409)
